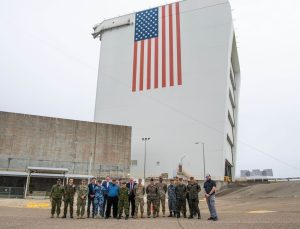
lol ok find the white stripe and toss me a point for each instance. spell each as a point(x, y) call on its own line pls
point(145, 64)
point(167, 47)
point(175, 46)
point(160, 48)
point(152, 62)
point(138, 66)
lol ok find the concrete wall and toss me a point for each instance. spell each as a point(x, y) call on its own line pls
point(27, 140)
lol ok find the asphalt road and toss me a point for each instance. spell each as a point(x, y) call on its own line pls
point(233, 213)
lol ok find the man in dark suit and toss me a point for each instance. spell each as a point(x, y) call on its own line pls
point(106, 185)
point(131, 197)
point(91, 197)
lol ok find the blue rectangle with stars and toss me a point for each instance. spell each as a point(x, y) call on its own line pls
point(146, 24)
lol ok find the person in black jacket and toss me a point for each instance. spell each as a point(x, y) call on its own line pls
point(91, 196)
point(105, 184)
point(131, 197)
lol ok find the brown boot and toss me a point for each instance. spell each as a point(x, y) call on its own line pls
point(142, 215)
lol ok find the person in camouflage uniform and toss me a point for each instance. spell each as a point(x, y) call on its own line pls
point(172, 198)
point(162, 190)
point(69, 192)
point(99, 199)
point(82, 193)
point(139, 192)
point(123, 200)
point(193, 188)
point(180, 192)
point(152, 196)
point(56, 197)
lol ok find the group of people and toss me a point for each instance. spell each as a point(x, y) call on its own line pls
point(117, 197)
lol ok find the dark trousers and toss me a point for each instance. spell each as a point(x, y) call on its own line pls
point(132, 204)
point(90, 202)
point(181, 206)
point(194, 207)
point(105, 203)
point(112, 202)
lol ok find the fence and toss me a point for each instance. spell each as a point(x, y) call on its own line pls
point(11, 192)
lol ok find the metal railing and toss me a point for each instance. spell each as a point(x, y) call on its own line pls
point(11, 192)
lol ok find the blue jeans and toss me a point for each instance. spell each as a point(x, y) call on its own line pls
point(211, 200)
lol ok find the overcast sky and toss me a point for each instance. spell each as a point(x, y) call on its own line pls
point(49, 65)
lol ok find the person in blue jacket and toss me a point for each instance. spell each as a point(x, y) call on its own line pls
point(112, 199)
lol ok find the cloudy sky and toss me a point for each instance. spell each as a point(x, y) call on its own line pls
point(49, 65)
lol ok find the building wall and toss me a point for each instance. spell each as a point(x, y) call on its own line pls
point(27, 140)
point(173, 117)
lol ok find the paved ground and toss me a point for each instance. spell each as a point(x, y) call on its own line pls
point(235, 211)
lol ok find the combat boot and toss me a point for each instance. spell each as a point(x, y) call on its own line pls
point(142, 215)
point(119, 217)
point(191, 217)
point(52, 216)
point(71, 216)
point(127, 216)
point(64, 216)
point(57, 216)
point(199, 216)
point(184, 215)
point(178, 215)
point(171, 215)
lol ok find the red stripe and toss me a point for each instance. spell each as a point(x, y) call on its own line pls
point(171, 46)
point(134, 67)
point(179, 70)
point(163, 47)
point(149, 65)
point(156, 64)
point(142, 66)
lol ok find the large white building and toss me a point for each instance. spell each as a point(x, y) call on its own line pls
point(172, 73)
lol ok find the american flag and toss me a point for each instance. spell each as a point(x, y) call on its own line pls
point(157, 48)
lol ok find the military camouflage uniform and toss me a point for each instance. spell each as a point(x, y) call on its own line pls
point(152, 196)
point(100, 191)
point(81, 202)
point(172, 199)
point(139, 192)
point(162, 190)
point(123, 201)
point(56, 196)
point(194, 190)
point(180, 191)
point(69, 192)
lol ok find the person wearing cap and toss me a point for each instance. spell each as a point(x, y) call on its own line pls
point(123, 203)
point(162, 190)
point(69, 192)
point(99, 199)
point(152, 196)
point(56, 197)
point(139, 192)
point(91, 197)
point(172, 198)
point(193, 189)
point(210, 191)
point(82, 194)
point(180, 191)
point(112, 199)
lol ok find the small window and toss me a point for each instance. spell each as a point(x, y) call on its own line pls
point(229, 140)
point(231, 99)
point(133, 162)
point(231, 120)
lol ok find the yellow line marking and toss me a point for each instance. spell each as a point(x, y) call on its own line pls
point(261, 212)
point(37, 205)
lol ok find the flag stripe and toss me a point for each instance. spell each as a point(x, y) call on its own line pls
point(163, 46)
point(171, 46)
point(156, 64)
point(178, 45)
point(142, 66)
point(149, 65)
point(134, 67)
